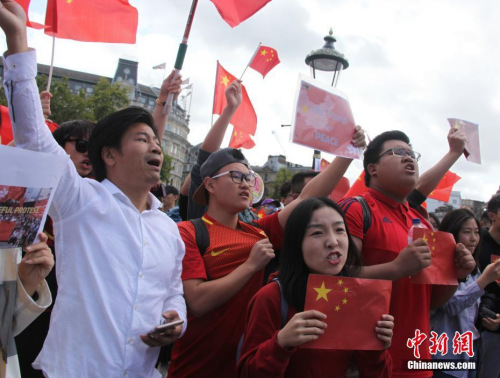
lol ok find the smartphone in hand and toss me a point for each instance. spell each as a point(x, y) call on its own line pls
point(164, 327)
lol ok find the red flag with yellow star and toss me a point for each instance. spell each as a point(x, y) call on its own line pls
point(235, 12)
point(264, 60)
point(442, 270)
point(353, 307)
point(113, 21)
point(244, 118)
point(443, 190)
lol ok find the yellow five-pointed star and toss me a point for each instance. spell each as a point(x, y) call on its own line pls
point(322, 292)
point(225, 80)
point(425, 238)
point(344, 301)
point(337, 308)
point(346, 290)
point(340, 282)
point(263, 52)
point(69, 1)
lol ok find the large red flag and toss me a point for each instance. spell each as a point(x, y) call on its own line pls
point(353, 307)
point(235, 12)
point(113, 21)
point(442, 270)
point(264, 60)
point(443, 190)
point(241, 139)
point(244, 119)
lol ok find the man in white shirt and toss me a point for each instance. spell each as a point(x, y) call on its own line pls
point(118, 256)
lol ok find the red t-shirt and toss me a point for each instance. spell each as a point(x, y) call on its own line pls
point(410, 303)
point(262, 356)
point(208, 348)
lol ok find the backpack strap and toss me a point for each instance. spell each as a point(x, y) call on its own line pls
point(202, 236)
point(284, 305)
point(365, 208)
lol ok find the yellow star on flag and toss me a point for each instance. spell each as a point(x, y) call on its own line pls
point(346, 290)
point(263, 52)
point(344, 301)
point(337, 308)
point(225, 80)
point(340, 282)
point(425, 238)
point(322, 292)
point(69, 1)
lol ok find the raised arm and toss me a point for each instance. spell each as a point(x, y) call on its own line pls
point(430, 179)
point(168, 86)
point(213, 140)
point(323, 184)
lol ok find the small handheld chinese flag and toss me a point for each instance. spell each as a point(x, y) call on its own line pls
point(244, 118)
point(442, 270)
point(235, 12)
point(443, 190)
point(264, 60)
point(113, 21)
point(353, 307)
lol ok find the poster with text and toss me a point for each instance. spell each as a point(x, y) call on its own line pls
point(323, 119)
point(26, 190)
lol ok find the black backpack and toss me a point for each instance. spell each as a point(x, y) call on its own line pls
point(367, 213)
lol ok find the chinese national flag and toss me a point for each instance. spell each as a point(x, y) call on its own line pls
point(443, 190)
point(264, 60)
point(235, 12)
point(244, 118)
point(340, 190)
point(353, 307)
point(113, 21)
point(442, 270)
point(241, 139)
point(358, 187)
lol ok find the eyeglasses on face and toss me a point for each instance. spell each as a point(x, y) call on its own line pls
point(81, 145)
point(238, 177)
point(401, 152)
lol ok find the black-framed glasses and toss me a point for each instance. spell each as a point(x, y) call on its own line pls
point(401, 152)
point(238, 177)
point(81, 145)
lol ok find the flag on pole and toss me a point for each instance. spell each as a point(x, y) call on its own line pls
point(113, 21)
point(235, 12)
point(244, 119)
point(26, 4)
point(161, 67)
point(264, 60)
point(443, 190)
point(353, 307)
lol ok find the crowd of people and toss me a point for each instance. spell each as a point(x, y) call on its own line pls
point(232, 282)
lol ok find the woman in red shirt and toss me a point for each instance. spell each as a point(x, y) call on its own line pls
point(316, 241)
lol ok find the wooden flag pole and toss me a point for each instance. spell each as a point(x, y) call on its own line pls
point(181, 53)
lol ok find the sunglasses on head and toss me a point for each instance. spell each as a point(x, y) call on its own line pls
point(81, 145)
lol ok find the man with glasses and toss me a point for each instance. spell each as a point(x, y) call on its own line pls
point(219, 283)
point(391, 174)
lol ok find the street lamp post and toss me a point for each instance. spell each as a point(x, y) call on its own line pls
point(326, 59)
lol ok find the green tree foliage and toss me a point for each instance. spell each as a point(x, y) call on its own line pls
point(166, 168)
point(282, 175)
point(66, 105)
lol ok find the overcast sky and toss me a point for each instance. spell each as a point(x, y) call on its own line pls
point(412, 66)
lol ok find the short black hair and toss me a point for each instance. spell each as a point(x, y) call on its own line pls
point(286, 188)
point(294, 272)
point(109, 132)
point(298, 180)
point(493, 204)
point(374, 149)
point(76, 129)
point(170, 189)
point(436, 219)
point(453, 221)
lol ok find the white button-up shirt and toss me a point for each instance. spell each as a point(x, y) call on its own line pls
point(117, 269)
